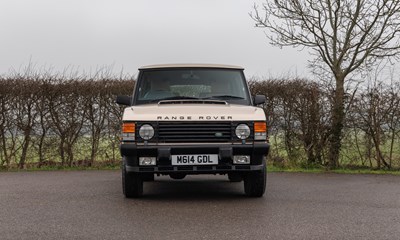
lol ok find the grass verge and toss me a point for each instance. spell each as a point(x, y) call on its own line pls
point(62, 168)
point(339, 170)
point(271, 168)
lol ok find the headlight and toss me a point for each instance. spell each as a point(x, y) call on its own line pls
point(242, 131)
point(146, 132)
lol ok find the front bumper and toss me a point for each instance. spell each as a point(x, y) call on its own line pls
point(257, 151)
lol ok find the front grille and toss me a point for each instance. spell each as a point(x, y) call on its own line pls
point(170, 132)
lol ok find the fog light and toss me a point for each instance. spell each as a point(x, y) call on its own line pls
point(241, 159)
point(147, 161)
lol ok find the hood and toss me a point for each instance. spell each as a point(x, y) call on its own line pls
point(193, 112)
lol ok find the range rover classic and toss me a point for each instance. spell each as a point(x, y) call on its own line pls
point(193, 119)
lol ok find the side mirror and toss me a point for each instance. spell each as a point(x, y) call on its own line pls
point(259, 99)
point(124, 100)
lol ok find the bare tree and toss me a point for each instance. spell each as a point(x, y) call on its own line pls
point(67, 115)
point(96, 114)
point(372, 108)
point(344, 36)
point(295, 110)
point(43, 140)
point(25, 111)
point(393, 117)
point(308, 111)
point(7, 144)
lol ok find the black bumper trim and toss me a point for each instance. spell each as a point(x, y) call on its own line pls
point(224, 151)
point(132, 152)
point(195, 169)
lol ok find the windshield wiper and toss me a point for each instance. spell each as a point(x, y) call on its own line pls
point(224, 97)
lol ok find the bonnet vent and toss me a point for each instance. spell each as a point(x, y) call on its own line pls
point(192, 102)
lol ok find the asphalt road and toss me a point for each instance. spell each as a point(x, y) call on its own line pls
point(90, 205)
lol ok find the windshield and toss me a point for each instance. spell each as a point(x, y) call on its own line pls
point(212, 84)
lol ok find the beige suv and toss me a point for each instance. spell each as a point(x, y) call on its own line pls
point(193, 119)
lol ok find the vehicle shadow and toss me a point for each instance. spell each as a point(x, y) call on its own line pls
point(193, 189)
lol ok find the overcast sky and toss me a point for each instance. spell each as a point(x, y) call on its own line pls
point(131, 33)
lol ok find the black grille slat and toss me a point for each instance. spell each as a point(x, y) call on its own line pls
point(224, 167)
point(201, 135)
point(189, 131)
point(165, 168)
point(242, 167)
point(193, 126)
point(185, 168)
point(166, 129)
point(194, 131)
point(185, 140)
point(204, 168)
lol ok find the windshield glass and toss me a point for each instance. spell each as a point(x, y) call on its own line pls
point(211, 84)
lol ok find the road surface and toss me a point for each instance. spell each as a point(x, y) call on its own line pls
point(90, 205)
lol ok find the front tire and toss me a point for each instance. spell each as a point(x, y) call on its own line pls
point(255, 182)
point(132, 183)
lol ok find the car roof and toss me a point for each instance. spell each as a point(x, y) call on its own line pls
point(159, 66)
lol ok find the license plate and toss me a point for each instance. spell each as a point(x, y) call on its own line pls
point(198, 159)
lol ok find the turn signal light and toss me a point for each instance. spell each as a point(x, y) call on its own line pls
point(260, 127)
point(128, 127)
point(260, 131)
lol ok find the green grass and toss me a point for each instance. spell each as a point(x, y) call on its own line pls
point(338, 171)
point(62, 168)
point(270, 169)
